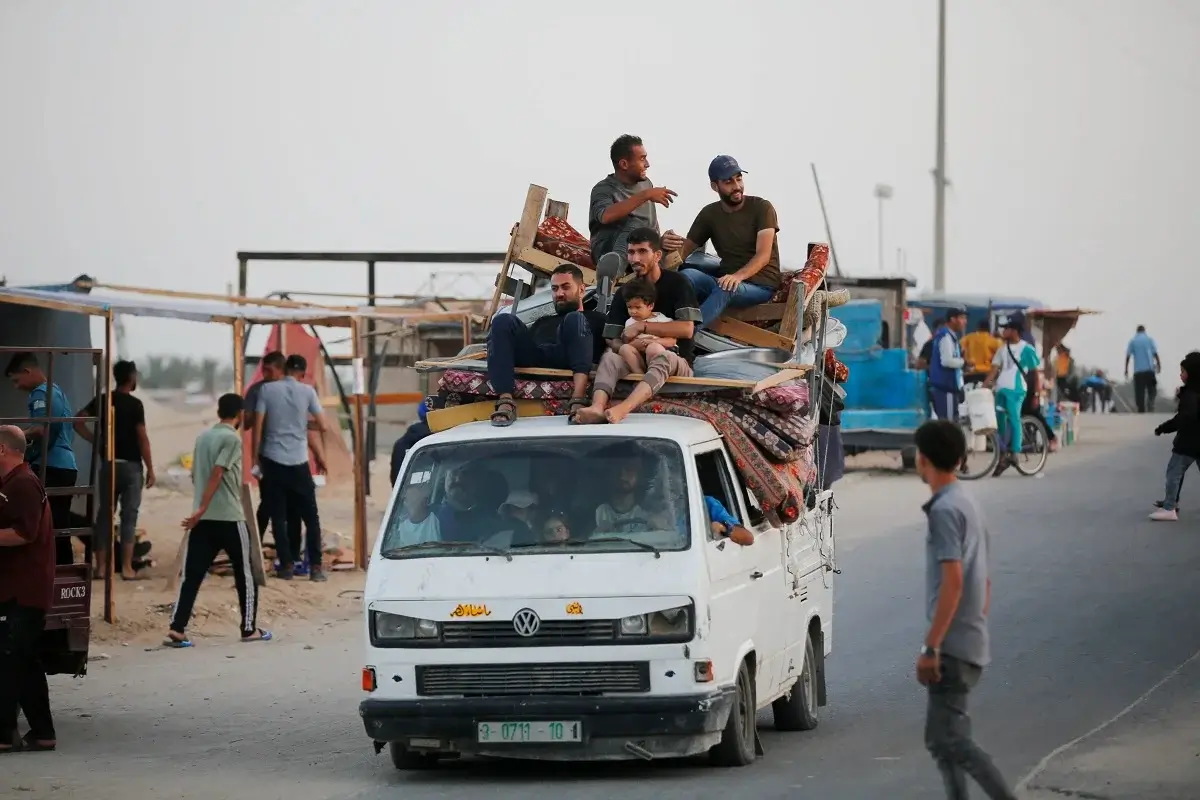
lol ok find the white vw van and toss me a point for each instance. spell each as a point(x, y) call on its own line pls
point(606, 620)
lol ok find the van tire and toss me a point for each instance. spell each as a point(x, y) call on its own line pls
point(405, 759)
point(736, 748)
point(797, 710)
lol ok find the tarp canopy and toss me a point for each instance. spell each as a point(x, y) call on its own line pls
point(192, 310)
point(1056, 324)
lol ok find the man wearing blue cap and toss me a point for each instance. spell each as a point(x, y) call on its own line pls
point(743, 231)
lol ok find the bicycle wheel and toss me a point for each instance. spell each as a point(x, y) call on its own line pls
point(983, 453)
point(1035, 447)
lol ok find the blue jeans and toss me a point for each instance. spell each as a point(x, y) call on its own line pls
point(511, 345)
point(714, 300)
point(129, 482)
point(1176, 468)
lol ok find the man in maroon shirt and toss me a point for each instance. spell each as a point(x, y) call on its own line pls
point(26, 594)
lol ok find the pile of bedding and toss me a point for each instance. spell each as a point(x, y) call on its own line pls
point(770, 434)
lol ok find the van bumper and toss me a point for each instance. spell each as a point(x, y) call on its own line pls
point(451, 724)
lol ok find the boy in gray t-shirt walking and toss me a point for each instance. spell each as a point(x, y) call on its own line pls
point(217, 523)
point(957, 595)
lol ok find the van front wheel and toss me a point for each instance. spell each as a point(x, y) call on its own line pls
point(797, 711)
point(736, 748)
point(403, 758)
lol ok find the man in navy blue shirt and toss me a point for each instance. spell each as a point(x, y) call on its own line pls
point(946, 365)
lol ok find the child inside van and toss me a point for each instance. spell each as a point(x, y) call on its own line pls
point(1185, 450)
point(639, 301)
point(420, 525)
point(555, 529)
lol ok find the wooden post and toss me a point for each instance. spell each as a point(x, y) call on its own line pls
point(360, 450)
point(239, 355)
point(110, 345)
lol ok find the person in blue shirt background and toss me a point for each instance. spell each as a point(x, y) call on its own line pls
point(946, 365)
point(1143, 352)
point(61, 470)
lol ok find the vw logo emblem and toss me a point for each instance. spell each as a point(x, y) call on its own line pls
point(526, 622)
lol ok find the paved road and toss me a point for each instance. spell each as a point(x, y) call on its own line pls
point(1092, 606)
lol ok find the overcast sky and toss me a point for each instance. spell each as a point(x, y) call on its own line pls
point(146, 142)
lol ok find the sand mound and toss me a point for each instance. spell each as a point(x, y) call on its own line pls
point(173, 431)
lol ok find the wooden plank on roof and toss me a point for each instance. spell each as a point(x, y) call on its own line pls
point(557, 208)
point(543, 262)
point(443, 419)
point(531, 217)
point(790, 320)
point(748, 334)
point(521, 237)
point(781, 377)
point(767, 312)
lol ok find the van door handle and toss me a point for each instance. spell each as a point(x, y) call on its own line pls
point(755, 575)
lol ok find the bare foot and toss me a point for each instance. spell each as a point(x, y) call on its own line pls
point(619, 412)
point(592, 415)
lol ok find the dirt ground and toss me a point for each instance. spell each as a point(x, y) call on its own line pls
point(143, 607)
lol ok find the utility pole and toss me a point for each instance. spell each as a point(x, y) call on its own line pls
point(837, 271)
point(939, 173)
point(882, 192)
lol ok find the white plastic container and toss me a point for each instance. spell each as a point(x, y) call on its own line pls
point(981, 409)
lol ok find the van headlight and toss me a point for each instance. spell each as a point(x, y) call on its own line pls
point(672, 624)
point(396, 627)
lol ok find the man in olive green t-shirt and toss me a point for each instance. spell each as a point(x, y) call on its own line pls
point(218, 522)
point(743, 229)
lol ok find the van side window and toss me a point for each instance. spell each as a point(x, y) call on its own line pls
point(753, 510)
point(716, 482)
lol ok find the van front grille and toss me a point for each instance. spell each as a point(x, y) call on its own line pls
point(491, 680)
point(550, 633)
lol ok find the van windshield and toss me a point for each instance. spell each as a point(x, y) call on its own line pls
point(517, 496)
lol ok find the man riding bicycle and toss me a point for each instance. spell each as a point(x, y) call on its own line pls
point(946, 366)
point(1013, 360)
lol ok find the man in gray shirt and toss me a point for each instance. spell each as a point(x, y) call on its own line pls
point(280, 450)
point(624, 201)
point(957, 595)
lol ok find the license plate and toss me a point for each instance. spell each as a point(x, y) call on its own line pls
point(531, 732)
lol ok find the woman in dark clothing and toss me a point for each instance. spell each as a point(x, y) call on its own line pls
point(1185, 450)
